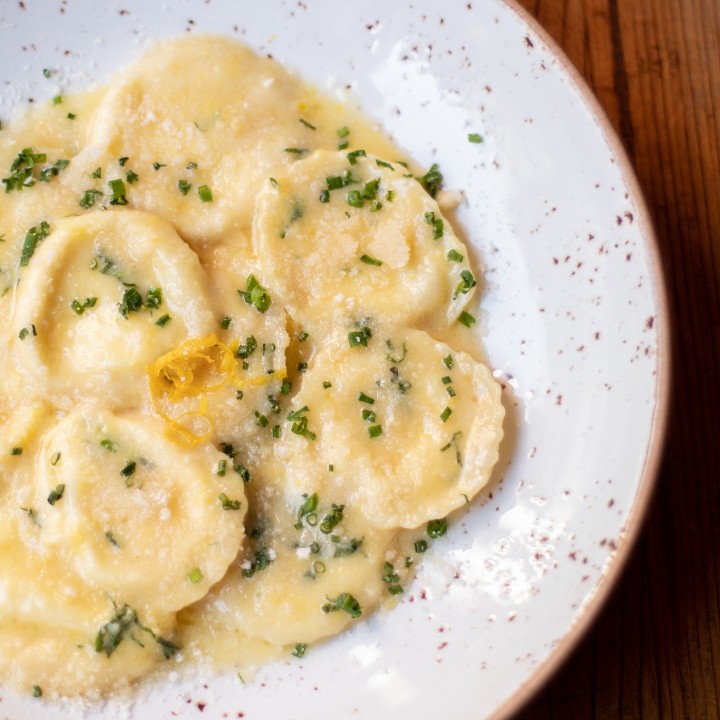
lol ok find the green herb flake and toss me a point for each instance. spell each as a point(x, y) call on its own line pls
point(299, 650)
point(437, 528)
point(184, 186)
point(71, 116)
point(307, 124)
point(466, 319)
point(296, 151)
point(16, 451)
point(437, 224)
point(129, 469)
point(256, 295)
point(56, 494)
point(195, 575)
point(89, 197)
point(421, 546)
point(47, 173)
point(205, 193)
point(332, 519)
point(132, 301)
point(475, 138)
point(118, 192)
point(370, 260)
point(33, 237)
point(432, 180)
point(227, 503)
point(354, 155)
point(113, 632)
point(359, 338)
point(225, 322)
point(454, 256)
point(449, 362)
point(163, 321)
point(345, 602)
point(37, 690)
point(109, 445)
point(445, 414)
point(375, 431)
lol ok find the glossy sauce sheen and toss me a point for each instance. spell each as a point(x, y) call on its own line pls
point(235, 388)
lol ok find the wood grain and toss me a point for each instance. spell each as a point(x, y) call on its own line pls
point(654, 652)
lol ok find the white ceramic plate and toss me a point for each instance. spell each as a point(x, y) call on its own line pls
point(574, 320)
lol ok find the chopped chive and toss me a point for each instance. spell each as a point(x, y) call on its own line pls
point(16, 451)
point(57, 100)
point(55, 459)
point(191, 166)
point(122, 161)
point(296, 151)
point(475, 137)
point(449, 363)
point(71, 116)
point(375, 431)
point(307, 124)
point(357, 338)
point(109, 445)
point(88, 198)
point(421, 546)
point(326, 384)
point(221, 468)
point(383, 164)
point(205, 193)
point(37, 690)
point(129, 469)
point(355, 199)
point(437, 528)
point(256, 294)
point(158, 165)
point(342, 132)
point(445, 414)
point(363, 398)
point(299, 650)
point(225, 322)
point(56, 494)
point(324, 196)
point(454, 256)
point(163, 321)
point(432, 180)
point(117, 188)
point(345, 602)
point(47, 72)
point(370, 260)
point(466, 319)
point(184, 186)
point(131, 176)
point(354, 155)
point(33, 236)
point(195, 575)
point(227, 503)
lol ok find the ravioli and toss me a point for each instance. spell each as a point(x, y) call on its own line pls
point(242, 391)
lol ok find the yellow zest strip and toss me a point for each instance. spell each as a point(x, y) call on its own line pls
point(195, 368)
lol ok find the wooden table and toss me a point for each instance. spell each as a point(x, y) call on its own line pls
point(654, 652)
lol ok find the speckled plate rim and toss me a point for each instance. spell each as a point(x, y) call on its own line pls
point(636, 515)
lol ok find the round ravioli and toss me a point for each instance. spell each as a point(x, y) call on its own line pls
point(346, 236)
point(203, 122)
point(311, 567)
point(410, 427)
point(151, 522)
point(100, 297)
